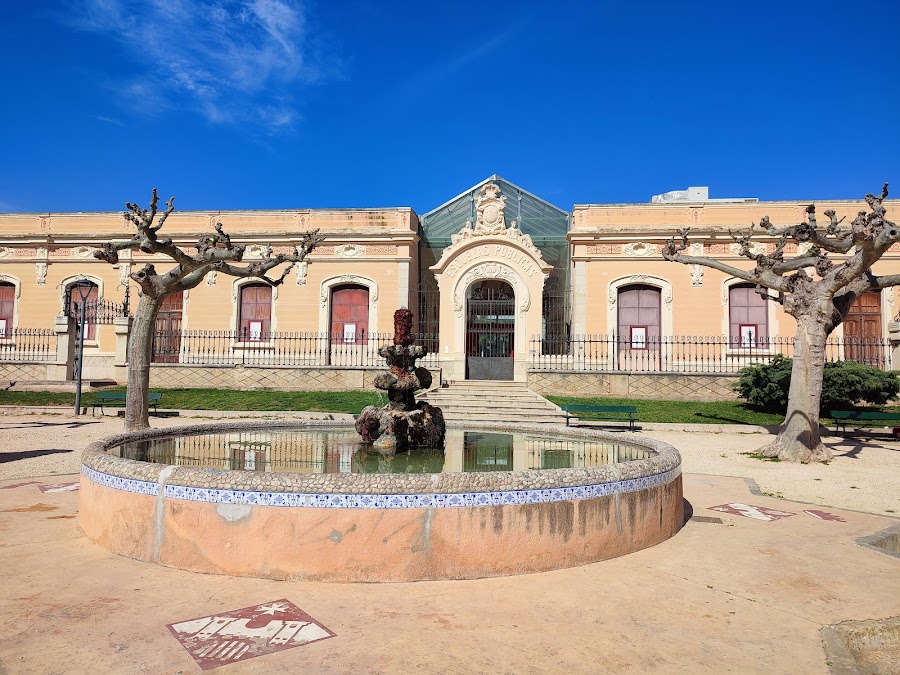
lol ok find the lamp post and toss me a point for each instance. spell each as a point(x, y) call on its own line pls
point(84, 292)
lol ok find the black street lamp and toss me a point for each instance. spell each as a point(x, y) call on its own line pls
point(84, 292)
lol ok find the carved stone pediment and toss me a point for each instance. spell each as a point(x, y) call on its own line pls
point(490, 221)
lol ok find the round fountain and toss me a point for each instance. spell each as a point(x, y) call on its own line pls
point(398, 498)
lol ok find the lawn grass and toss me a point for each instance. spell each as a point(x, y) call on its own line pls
point(219, 399)
point(683, 412)
point(679, 412)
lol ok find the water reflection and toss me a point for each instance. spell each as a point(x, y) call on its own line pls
point(339, 451)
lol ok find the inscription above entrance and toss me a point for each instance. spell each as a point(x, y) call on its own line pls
point(522, 260)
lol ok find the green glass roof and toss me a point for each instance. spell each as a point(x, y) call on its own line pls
point(547, 224)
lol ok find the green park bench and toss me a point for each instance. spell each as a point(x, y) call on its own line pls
point(116, 399)
point(615, 413)
point(863, 418)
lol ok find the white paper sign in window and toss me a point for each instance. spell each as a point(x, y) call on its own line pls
point(256, 330)
point(2, 328)
point(639, 337)
point(748, 335)
point(349, 332)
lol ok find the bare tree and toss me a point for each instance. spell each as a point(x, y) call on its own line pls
point(818, 293)
point(215, 252)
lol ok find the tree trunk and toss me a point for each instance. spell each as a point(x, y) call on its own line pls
point(140, 345)
point(798, 439)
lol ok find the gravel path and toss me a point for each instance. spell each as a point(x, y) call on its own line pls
point(863, 476)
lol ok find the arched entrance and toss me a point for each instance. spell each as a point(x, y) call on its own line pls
point(490, 330)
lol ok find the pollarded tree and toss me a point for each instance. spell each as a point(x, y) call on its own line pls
point(818, 293)
point(215, 252)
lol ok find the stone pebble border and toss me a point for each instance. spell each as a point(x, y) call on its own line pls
point(378, 491)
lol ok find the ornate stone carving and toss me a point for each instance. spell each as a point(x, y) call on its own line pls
point(349, 250)
point(639, 248)
point(40, 252)
point(6, 252)
point(124, 272)
point(756, 247)
point(44, 223)
point(612, 297)
point(258, 251)
point(211, 278)
point(803, 247)
point(491, 222)
point(697, 270)
point(40, 270)
point(695, 216)
point(82, 252)
point(717, 248)
point(300, 273)
point(667, 297)
point(323, 250)
point(492, 270)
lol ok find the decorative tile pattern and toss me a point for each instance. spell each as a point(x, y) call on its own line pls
point(241, 634)
point(825, 515)
point(59, 487)
point(750, 511)
point(381, 501)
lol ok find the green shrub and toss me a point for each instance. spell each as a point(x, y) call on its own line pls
point(844, 383)
point(766, 385)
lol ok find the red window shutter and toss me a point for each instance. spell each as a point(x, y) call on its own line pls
point(7, 304)
point(350, 307)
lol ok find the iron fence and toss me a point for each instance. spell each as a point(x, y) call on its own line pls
point(688, 354)
point(28, 344)
point(213, 348)
point(97, 312)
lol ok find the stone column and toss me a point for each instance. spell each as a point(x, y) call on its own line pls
point(579, 298)
point(122, 324)
point(63, 367)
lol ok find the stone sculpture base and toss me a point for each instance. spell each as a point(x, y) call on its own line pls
point(389, 430)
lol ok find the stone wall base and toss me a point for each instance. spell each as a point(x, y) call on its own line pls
point(659, 386)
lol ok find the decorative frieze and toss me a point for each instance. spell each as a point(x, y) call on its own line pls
point(604, 249)
point(697, 270)
point(41, 273)
point(382, 249)
point(323, 250)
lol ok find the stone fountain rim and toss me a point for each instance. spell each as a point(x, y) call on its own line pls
point(95, 457)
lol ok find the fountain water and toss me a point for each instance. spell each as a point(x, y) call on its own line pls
point(403, 422)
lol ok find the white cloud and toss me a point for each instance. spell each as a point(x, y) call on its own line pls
point(232, 62)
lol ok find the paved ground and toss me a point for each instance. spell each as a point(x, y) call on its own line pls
point(744, 596)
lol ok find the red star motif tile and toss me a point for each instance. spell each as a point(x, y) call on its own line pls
point(241, 634)
point(59, 487)
point(824, 515)
point(750, 511)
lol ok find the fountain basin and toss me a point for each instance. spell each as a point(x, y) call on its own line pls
point(377, 527)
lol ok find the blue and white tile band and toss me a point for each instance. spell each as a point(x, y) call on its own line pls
point(385, 501)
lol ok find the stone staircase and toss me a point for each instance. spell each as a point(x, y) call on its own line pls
point(493, 401)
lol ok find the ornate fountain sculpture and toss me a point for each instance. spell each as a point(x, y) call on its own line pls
point(402, 422)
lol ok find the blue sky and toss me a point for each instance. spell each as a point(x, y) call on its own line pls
point(294, 104)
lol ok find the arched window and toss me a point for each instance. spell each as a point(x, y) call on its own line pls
point(748, 317)
point(639, 317)
point(255, 319)
point(7, 308)
point(73, 306)
point(349, 314)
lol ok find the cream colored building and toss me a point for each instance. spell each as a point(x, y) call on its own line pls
point(504, 285)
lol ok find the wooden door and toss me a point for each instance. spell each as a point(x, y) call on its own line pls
point(7, 305)
point(167, 331)
point(862, 330)
point(90, 305)
point(349, 315)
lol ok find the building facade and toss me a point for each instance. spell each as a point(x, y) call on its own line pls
point(504, 285)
